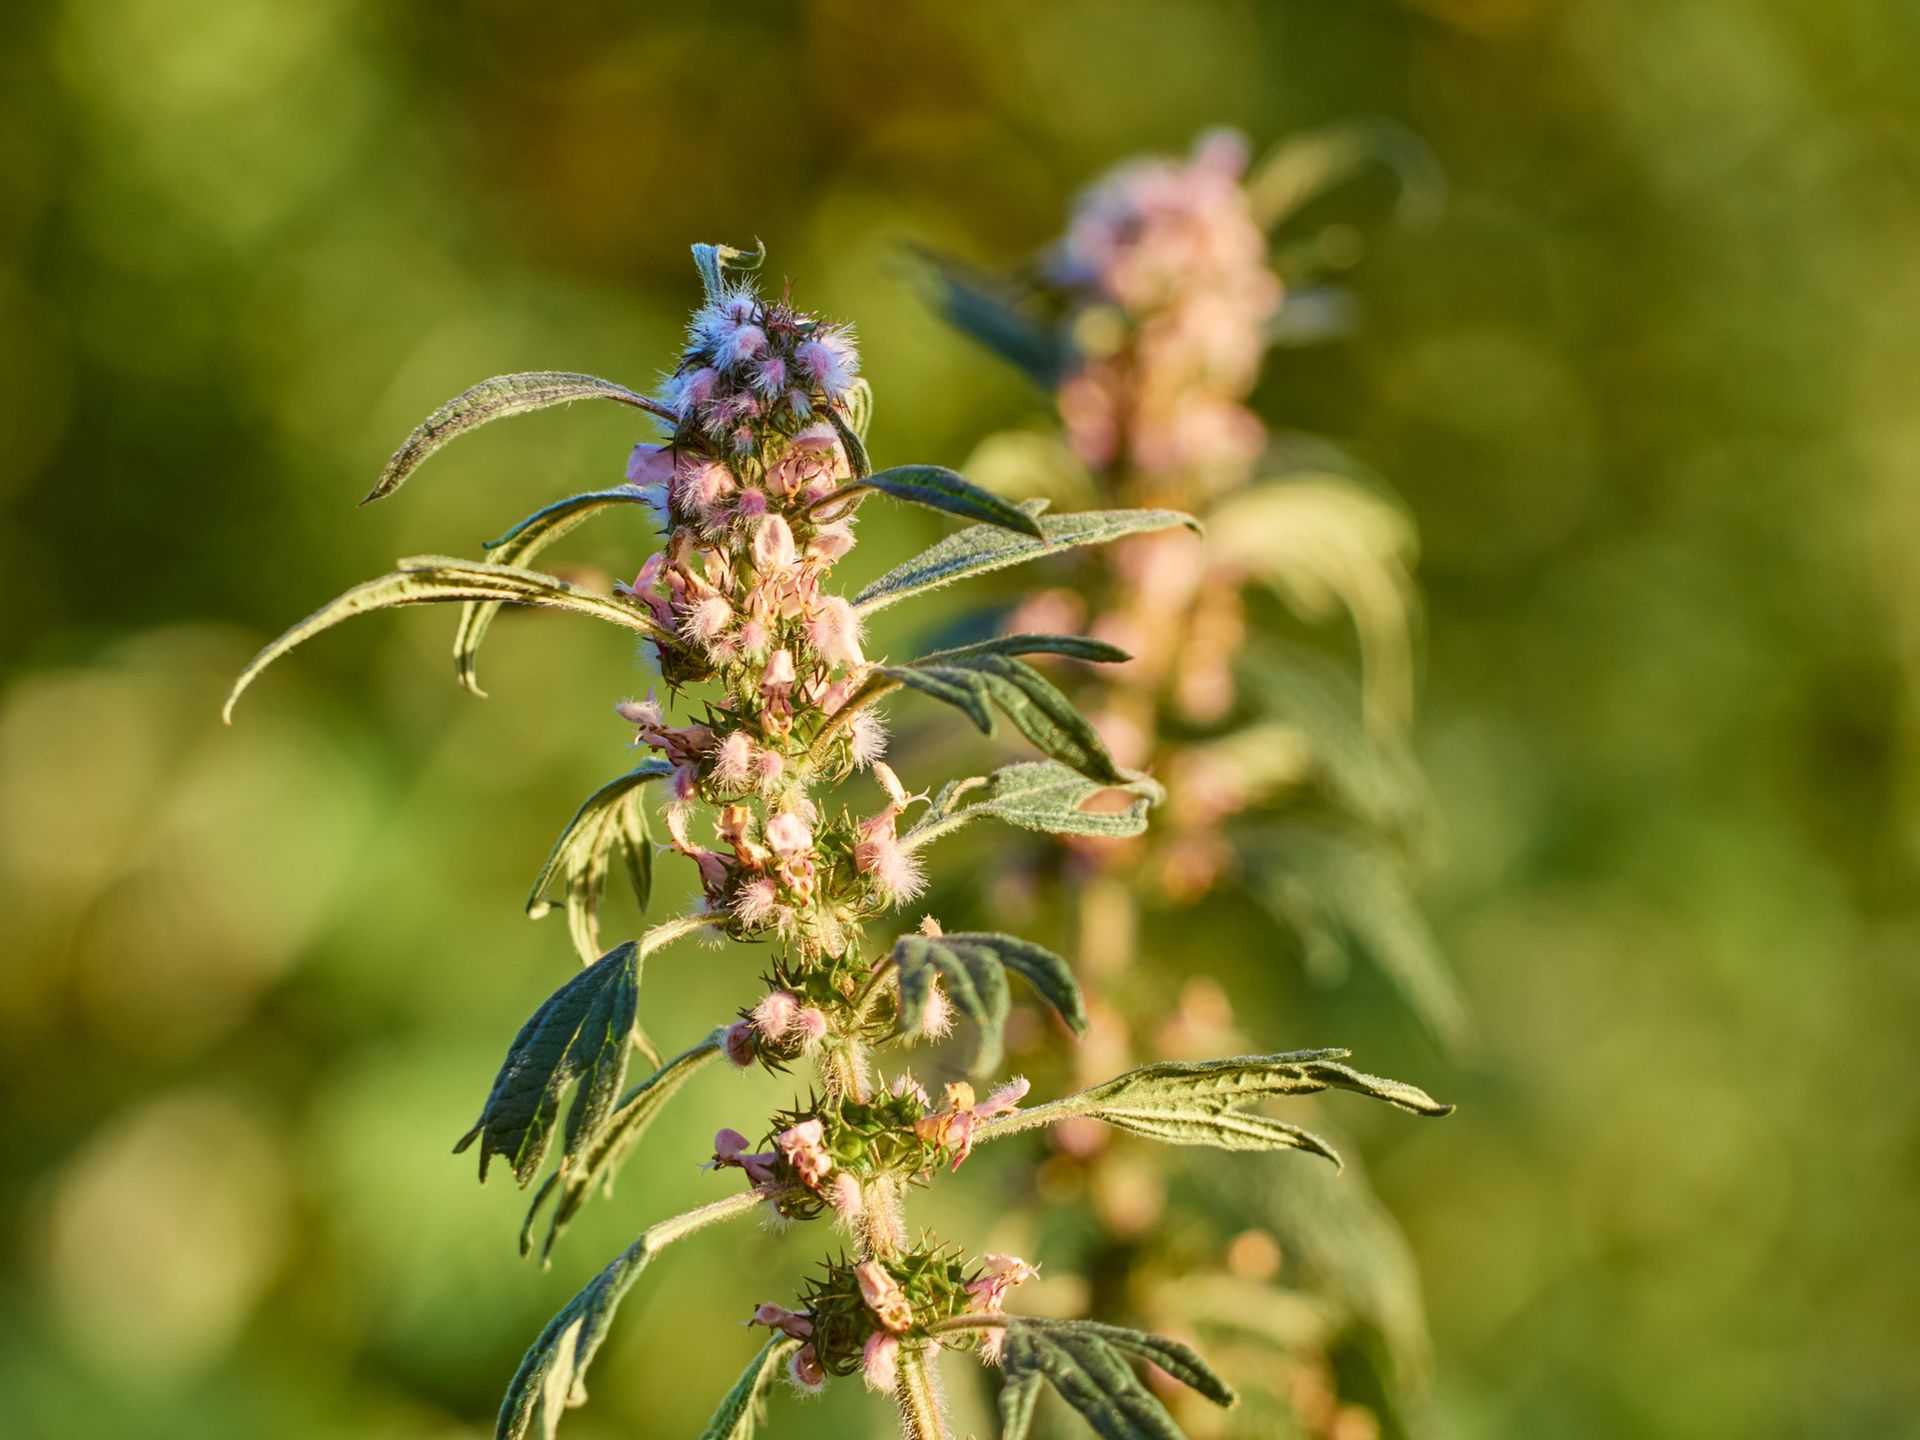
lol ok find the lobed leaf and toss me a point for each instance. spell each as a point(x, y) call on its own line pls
point(613, 820)
point(495, 399)
point(973, 966)
point(980, 549)
point(435, 579)
point(1195, 1102)
point(1087, 1364)
point(737, 1416)
point(1039, 795)
point(552, 1376)
point(939, 488)
point(517, 547)
point(603, 1155)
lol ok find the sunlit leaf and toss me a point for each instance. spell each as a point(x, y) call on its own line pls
point(518, 546)
point(1196, 1102)
point(602, 1157)
point(939, 488)
point(553, 1374)
point(613, 821)
point(1039, 795)
point(436, 579)
point(1087, 1364)
point(737, 1417)
point(971, 967)
point(495, 399)
point(981, 549)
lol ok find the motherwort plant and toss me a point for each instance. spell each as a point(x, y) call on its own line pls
point(771, 782)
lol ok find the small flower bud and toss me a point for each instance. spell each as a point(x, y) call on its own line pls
point(650, 465)
point(879, 1362)
point(811, 1025)
point(739, 1045)
point(773, 545)
point(774, 1016)
point(805, 1371)
point(845, 1197)
point(733, 761)
point(787, 834)
point(883, 1295)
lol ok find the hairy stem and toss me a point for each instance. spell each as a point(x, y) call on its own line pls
point(921, 1415)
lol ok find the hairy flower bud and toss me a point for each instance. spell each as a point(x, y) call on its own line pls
point(880, 1362)
point(884, 1296)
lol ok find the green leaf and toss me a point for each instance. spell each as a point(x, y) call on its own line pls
point(435, 579)
point(1194, 1102)
point(1304, 167)
point(736, 1418)
point(494, 399)
point(553, 1374)
point(1345, 893)
point(852, 442)
point(1074, 647)
point(978, 679)
point(612, 821)
point(987, 312)
point(1039, 795)
point(857, 403)
point(580, 1034)
point(939, 488)
point(1086, 1363)
point(602, 1157)
point(517, 547)
point(980, 549)
point(973, 966)
point(713, 262)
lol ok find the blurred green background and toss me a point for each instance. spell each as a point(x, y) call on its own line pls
point(1648, 386)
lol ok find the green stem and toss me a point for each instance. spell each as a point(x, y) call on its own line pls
point(921, 1414)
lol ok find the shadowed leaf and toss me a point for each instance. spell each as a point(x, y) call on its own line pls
point(736, 1418)
point(939, 488)
point(613, 821)
point(1087, 1364)
point(972, 967)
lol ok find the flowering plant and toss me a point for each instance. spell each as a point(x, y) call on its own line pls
point(757, 483)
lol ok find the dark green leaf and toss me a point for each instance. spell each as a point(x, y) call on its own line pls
point(985, 312)
point(581, 1034)
point(1074, 647)
point(979, 549)
point(602, 1157)
point(939, 488)
point(435, 579)
point(852, 442)
point(612, 821)
point(1040, 795)
point(553, 1374)
point(494, 399)
point(972, 967)
point(1086, 1363)
point(518, 546)
point(736, 1418)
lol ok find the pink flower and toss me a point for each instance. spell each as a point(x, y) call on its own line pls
point(773, 549)
point(830, 542)
point(879, 1362)
point(774, 1016)
point(805, 1371)
point(883, 1295)
point(739, 1045)
point(937, 1019)
point(733, 760)
point(644, 713)
point(650, 465)
point(770, 375)
point(812, 1025)
point(787, 834)
point(897, 874)
point(744, 343)
point(730, 1150)
point(1001, 1274)
point(788, 1322)
point(751, 505)
point(834, 630)
point(707, 620)
point(845, 1197)
point(772, 766)
point(804, 1146)
point(728, 1147)
point(1003, 1101)
point(822, 367)
point(757, 902)
point(866, 738)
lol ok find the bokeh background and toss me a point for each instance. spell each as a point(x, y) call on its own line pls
point(1647, 385)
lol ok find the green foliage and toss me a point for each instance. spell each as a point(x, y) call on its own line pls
point(612, 822)
point(1039, 795)
point(738, 1413)
point(580, 1034)
point(1196, 1102)
point(939, 488)
point(1087, 1364)
point(981, 549)
point(494, 399)
point(989, 312)
point(1311, 164)
point(972, 966)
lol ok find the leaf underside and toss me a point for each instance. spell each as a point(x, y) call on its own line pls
point(610, 825)
point(1087, 1364)
point(972, 968)
point(1040, 795)
point(737, 1417)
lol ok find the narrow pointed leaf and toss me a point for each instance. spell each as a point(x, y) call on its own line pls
point(988, 314)
point(1087, 1364)
point(518, 546)
point(972, 967)
point(939, 488)
point(553, 1374)
point(853, 443)
point(1196, 1102)
point(603, 1156)
point(436, 579)
point(1039, 795)
point(981, 549)
point(612, 820)
point(737, 1417)
point(495, 399)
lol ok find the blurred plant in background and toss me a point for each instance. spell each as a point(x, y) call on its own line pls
point(1149, 320)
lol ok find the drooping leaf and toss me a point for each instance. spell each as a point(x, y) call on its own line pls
point(518, 546)
point(1308, 165)
point(603, 1156)
point(939, 488)
point(435, 579)
point(980, 549)
point(1040, 795)
point(582, 1034)
point(972, 967)
point(857, 404)
point(613, 821)
point(737, 1417)
point(1195, 1102)
point(495, 399)
point(851, 441)
point(1343, 892)
point(979, 679)
point(1087, 1364)
point(553, 1374)
point(713, 262)
point(988, 313)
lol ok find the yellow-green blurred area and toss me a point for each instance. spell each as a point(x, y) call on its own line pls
point(1648, 385)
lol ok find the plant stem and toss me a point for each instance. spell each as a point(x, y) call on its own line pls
point(919, 1401)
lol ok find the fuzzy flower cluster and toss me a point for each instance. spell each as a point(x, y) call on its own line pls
point(1169, 289)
